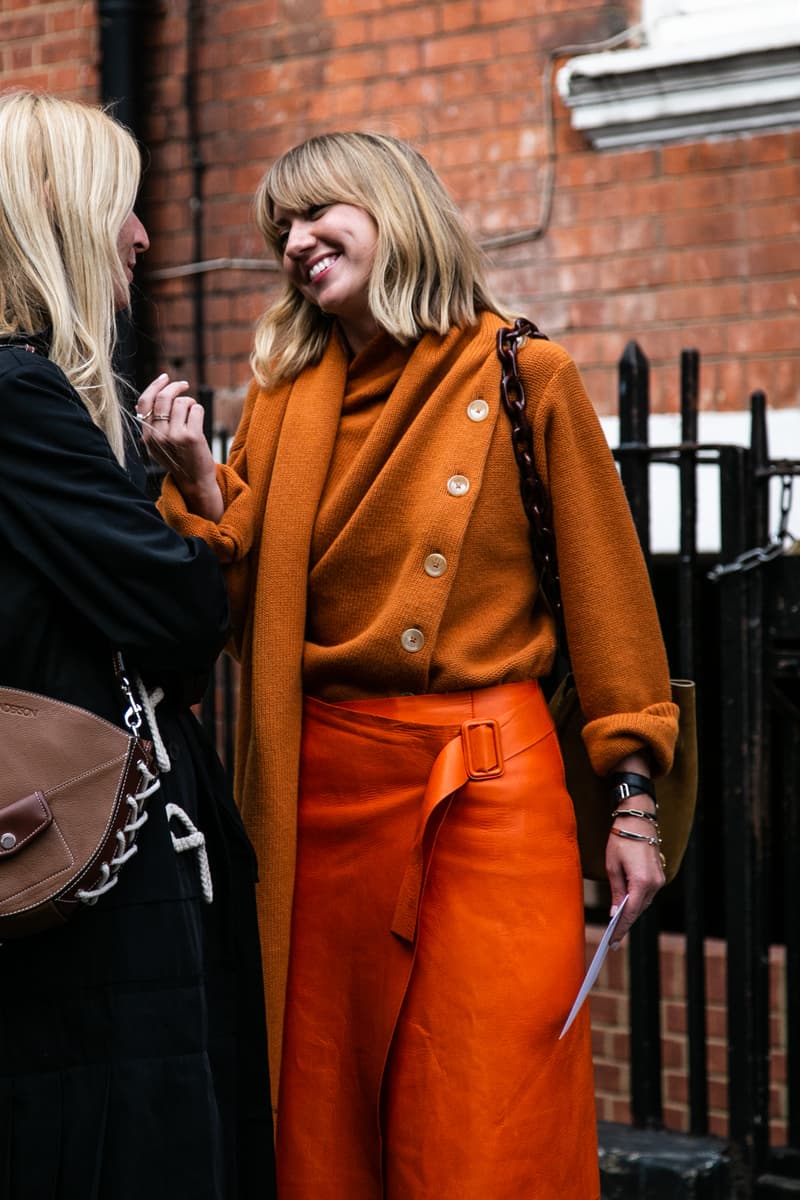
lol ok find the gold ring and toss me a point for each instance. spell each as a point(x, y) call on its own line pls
point(144, 416)
point(160, 418)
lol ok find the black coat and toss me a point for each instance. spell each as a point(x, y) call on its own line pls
point(132, 1047)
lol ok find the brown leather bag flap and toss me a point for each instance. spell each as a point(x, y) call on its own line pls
point(21, 821)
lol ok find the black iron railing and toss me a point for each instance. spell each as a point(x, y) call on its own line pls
point(748, 683)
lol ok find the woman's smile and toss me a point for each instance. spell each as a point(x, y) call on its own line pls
point(321, 266)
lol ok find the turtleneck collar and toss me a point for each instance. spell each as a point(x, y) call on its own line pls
point(373, 372)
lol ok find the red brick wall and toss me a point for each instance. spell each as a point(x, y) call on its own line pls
point(690, 244)
point(50, 45)
point(611, 1041)
point(684, 245)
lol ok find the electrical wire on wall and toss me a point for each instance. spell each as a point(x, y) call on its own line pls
point(549, 182)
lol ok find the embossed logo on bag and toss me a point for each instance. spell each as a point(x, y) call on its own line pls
point(18, 710)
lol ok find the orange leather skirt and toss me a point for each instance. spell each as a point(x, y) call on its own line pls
point(437, 946)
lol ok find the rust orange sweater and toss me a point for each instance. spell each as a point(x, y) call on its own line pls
point(401, 494)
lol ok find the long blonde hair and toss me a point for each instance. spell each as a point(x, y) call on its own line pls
point(69, 174)
point(429, 273)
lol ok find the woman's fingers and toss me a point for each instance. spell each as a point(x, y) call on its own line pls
point(171, 421)
point(172, 425)
point(163, 410)
point(144, 405)
point(195, 417)
point(156, 402)
point(633, 868)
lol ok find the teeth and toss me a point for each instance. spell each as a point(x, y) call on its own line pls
point(322, 265)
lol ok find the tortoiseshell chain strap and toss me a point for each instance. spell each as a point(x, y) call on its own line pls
point(535, 500)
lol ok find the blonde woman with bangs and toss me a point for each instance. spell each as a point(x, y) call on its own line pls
point(421, 899)
point(133, 1056)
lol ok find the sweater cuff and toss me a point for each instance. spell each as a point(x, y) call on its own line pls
point(609, 739)
point(232, 536)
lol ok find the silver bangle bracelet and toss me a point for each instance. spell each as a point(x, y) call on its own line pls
point(636, 837)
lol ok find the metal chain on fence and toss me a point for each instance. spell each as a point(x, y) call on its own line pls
point(748, 560)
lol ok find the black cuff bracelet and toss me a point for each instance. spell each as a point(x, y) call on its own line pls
point(625, 784)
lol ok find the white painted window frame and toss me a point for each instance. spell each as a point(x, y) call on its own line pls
point(705, 67)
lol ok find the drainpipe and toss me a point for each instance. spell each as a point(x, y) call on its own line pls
point(119, 88)
point(204, 393)
point(118, 42)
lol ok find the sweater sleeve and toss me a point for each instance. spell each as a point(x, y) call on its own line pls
point(233, 537)
point(613, 632)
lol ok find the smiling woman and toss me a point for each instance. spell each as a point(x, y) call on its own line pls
point(328, 252)
point(421, 905)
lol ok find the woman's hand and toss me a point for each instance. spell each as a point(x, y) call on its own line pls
point(633, 865)
point(172, 426)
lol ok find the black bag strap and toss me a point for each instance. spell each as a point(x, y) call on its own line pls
point(535, 499)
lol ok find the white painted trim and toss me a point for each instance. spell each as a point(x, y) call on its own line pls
point(709, 71)
point(680, 22)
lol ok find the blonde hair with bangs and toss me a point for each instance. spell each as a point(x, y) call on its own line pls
point(428, 275)
point(69, 174)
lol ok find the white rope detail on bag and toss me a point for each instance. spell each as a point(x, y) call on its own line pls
point(194, 840)
point(126, 838)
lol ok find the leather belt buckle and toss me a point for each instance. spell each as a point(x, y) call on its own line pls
point(483, 750)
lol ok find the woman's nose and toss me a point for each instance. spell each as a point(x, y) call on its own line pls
point(141, 241)
point(299, 238)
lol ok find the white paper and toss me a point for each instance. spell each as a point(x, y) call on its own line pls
point(594, 967)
